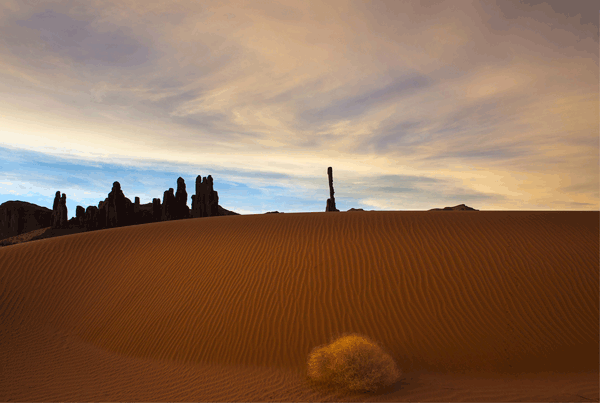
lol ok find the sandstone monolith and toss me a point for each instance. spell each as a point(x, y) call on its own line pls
point(119, 209)
point(205, 203)
point(79, 216)
point(331, 201)
point(168, 205)
point(59, 211)
point(181, 208)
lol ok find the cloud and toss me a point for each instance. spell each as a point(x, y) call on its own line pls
point(399, 88)
point(359, 103)
point(79, 40)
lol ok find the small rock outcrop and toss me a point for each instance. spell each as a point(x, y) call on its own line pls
point(18, 217)
point(59, 211)
point(356, 209)
point(460, 207)
point(331, 200)
point(272, 212)
point(205, 203)
point(223, 212)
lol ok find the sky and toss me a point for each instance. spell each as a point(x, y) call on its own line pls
point(416, 105)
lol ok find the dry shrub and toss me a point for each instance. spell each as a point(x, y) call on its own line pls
point(354, 362)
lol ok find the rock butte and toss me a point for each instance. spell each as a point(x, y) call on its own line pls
point(18, 217)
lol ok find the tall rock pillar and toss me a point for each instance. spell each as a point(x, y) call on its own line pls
point(181, 208)
point(205, 203)
point(331, 200)
point(59, 211)
point(168, 205)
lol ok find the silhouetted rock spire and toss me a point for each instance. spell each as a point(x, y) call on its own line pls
point(79, 216)
point(115, 211)
point(59, 211)
point(119, 209)
point(331, 200)
point(181, 208)
point(205, 203)
point(168, 205)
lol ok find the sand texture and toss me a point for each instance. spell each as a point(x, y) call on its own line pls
point(472, 306)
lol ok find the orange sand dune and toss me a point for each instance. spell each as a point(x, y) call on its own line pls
point(472, 306)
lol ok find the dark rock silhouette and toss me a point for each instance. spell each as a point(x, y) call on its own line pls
point(272, 212)
point(59, 211)
point(18, 217)
point(460, 207)
point(115, 211)
point(91, 218)
point(181, 208)
point(144, 213)
point(168, 205)
point(331, 200)
point(223, 211)
point(118, 208)
point(205, 203)
point(156, 210)
point(102, 209)
point(73, 223)
point(356, 209)
point(79, 216)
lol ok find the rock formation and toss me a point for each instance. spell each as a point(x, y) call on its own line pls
point(156, 210)
point(168, 205)
point(90, 219)
point(356, 209)
point(18, 217)
point(181, 208)
point(223, 212)
point(102, 208)
point(59, 211)
point(331, 200)
point(79, 216)
point(272, 212)
point(142, 213)
point(460, 207)
point(205, 203)
point(115, 211)
point(118, 208)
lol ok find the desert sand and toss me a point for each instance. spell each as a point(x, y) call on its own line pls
point(472, 306)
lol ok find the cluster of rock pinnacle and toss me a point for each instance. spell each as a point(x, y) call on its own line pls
point(118, 211)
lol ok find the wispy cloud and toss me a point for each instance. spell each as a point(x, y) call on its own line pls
point(497, 104)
